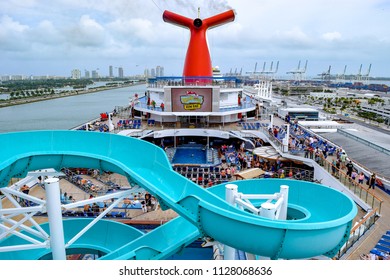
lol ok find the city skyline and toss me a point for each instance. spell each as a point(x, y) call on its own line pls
point(52, 38)
point(76, 73)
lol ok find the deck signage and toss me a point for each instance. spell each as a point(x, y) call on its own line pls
point(191, 99)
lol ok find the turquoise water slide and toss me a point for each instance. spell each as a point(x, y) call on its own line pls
point(319, 218)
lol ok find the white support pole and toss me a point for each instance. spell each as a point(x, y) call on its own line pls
point(230, 196)
point(271, 122)
point(283, 209)
point(268, 210)
point(286, 139)
point(22, 247)
point(53, 200)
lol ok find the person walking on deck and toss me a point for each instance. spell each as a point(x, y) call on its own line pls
point(371, 181)
point(349, 166)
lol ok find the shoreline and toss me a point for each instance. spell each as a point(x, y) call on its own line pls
point(22, 101)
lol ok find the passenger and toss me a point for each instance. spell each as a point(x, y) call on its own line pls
point(372, 181)
point(354, 175)
point(349, 166)
point(87, 208)
point(148, 202)
point(64, 198)
point(343, 159)
point(95, 208)
point(361, 178)
point(143, 206)
point(338, 165)
point(153, 203)
point(25, 189)
point(127, 202)
point(242, 146)
point(40, 180)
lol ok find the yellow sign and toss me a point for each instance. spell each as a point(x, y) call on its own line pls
point(193, 106)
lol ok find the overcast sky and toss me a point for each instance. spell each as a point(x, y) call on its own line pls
point(39, 37)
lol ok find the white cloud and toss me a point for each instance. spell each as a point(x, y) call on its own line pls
point(297, 35)
point(137, 29)
point(86, 33)
point(13, 34)
point(331, 36)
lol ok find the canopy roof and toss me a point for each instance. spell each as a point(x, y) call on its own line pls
point(250, 173)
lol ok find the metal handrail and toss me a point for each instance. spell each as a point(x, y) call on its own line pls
point(367, 195)
point(358, 231)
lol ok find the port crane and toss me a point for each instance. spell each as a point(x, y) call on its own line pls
point(358, 77)
point(341, 77)
point(270, 72)
point(366, 77)
point(254, 73)
point(325, 76)
point(299, 73)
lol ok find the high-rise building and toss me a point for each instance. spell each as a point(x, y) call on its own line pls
point(153, 72)
point(111, 71)
point(87, 75)
point(76, 74)
point(95, 74)
point(120, 72)
point(159, 71)
point(146, 73)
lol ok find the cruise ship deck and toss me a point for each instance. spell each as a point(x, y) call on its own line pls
point(377, 198)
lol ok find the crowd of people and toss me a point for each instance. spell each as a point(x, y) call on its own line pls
point(311, 146)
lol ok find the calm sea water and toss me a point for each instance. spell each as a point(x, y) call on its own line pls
point(65, 113)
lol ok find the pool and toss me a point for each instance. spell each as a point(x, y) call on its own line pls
point(190, 154)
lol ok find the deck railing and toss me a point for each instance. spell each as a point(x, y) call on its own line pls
point(358, 231)
point(367, 195)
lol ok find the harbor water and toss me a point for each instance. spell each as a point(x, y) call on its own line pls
point(67, 112)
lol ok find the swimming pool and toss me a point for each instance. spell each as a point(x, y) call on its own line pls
point(190, 154)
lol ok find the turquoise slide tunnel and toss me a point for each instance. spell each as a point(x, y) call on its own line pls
point(319, 218)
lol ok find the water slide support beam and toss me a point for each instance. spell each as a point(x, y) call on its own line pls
point(231, 194)
point(57, 242)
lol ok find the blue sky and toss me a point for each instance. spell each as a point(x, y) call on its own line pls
point(39, 37)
